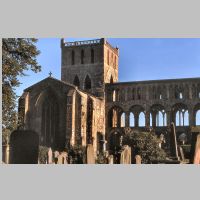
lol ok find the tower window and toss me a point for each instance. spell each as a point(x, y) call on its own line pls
point(92, 55)
point(73, 55)
point(87, 83)
point(82, 56)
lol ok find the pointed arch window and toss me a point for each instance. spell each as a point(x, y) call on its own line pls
point(88, 84)
point(92, 55)
point(76, 81)
point(111, 79)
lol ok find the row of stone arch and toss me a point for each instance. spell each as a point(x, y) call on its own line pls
point(155, 117)
point(138, 93)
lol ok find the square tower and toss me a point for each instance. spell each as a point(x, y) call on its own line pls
point(89, 64)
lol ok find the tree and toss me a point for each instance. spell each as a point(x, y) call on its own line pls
point(145, 144)
point(18, 55)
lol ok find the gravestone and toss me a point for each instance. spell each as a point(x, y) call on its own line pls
point(125, 156)
point(24, 147)
point(181, 153)
point(56, 154)
point(195, 148)
point(110, 159)
point(138, 159)
point(50, 156)
point(173, 142)
point(90, 154)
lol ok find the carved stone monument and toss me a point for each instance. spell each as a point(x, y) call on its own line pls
point(125, 157)
point(173, 143)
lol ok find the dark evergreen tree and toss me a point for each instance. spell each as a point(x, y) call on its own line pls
point(18, 55)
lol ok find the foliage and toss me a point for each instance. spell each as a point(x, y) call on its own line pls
point(186, 150)
point(77, 154)
point(145, 144)
point(101, 158)
point(43, 154)
point(18, 55)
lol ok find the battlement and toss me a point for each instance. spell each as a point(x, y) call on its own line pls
point(82, 43)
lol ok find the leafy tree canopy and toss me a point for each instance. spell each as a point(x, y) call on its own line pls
point(145, 144)
point(18, 55)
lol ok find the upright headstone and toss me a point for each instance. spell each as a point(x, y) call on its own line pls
point(50, 156)
point(125, 157)
point(173, 142)
point(138, 159)
point(24, 147)
point(110, 159)
point(90, 154)
point(195, 148)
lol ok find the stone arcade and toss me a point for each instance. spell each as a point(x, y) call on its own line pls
point(89, 106)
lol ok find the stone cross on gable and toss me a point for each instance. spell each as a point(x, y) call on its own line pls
point(50, 74)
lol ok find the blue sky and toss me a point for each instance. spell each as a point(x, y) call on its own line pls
point(140, 59)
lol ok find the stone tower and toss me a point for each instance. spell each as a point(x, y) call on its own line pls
point(89, 64)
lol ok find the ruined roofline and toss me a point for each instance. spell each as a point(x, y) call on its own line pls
point(64, 82)
point(155, 81)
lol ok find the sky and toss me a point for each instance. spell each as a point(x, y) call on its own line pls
point(139, 59)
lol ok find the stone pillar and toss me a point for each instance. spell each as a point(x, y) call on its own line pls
point(136, 119)
point(191, 117)
point(153, 119)
point(147, 119)
point(127, 120)
point(168, 113)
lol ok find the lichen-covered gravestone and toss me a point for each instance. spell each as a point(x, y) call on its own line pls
point(24, 147)
point(125, 157)
point(90, 154)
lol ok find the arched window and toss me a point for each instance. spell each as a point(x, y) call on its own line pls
point(161, 119)
point(198, 118)
point(73, 56)
point(76, 81)
point(108, 57)
point(180, 95)
point(151, 120)
point(92, 55)
point(131, 120)
point(88, 84)
point(122, 122)
point(111, 79)
point(82, 56)
point(114, 96)
point(141, 119)
point(182, 118)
